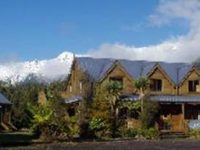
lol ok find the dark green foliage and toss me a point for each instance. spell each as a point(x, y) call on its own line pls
point(129, 132)
point(100, 115)
point(140, 133)
point(20, 95)
point(149, 114)
point(26, 92)
point(83, 118)
point(150, 133)
point(104, 114)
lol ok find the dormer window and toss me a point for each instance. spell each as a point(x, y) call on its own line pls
point(193, 85)
point(156, 85)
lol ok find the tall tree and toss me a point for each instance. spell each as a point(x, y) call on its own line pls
point(141, 85)
point(114, 88)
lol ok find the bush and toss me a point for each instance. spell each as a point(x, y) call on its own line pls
point(129, 132)
point(150, 133)
point(194, 133)
point(139, 133)
point(149, 114)
point(99, 127)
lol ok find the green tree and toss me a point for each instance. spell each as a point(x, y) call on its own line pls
point(149, 108)
point(100, 114)
point(114, 88)
point(149, 114)
point(141, 85)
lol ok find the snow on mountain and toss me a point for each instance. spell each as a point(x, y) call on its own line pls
point(46, 70)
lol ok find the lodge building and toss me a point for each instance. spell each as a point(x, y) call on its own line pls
point(175, 86)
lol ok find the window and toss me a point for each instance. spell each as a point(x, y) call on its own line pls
point(156, 85)
point(71, 111)
point(81, 86)
point(193, 85)
point(117, 79)
point(70, 88)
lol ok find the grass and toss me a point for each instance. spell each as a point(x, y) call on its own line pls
point(16, 138)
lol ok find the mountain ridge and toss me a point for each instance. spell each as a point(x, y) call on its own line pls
point(45, 70)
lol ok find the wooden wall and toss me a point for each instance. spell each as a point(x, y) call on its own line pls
point(167, 85)
point(77, 76)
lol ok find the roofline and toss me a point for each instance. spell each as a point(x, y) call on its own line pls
point(157, 65)
point(116, 62)
point(188, 73)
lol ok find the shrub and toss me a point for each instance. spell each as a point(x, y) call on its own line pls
point(150, 133)
point(99, 127)
point(129, 132)
point(194, 133)
point(149, 114)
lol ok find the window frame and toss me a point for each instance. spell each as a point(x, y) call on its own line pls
point(155, 87)
point(192, 86)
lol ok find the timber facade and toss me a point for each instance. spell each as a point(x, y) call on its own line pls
point(175, 86)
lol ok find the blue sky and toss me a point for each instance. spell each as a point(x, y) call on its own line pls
point(42, 29)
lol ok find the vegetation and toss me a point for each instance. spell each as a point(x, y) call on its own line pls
point(194, 133)
point(141, 85)
point(149, 114)
point(98, 118)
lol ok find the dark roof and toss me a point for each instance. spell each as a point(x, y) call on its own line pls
point(4, 100)
point(97, 68)
point(73, 99)
point(176, 99)
point(94, 67)
point(158, 98)
point(165, 98)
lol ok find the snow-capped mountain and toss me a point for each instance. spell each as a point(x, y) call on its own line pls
point(45, 70)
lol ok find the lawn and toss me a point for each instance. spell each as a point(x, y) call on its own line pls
point(16, 138)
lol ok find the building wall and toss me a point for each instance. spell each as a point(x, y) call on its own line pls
point(183, 89)
point(76, 78)
point(167, 87)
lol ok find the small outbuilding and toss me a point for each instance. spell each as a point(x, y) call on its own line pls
point(5, 113)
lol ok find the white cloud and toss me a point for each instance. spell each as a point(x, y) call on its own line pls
point(185, 48)
point(46, 70)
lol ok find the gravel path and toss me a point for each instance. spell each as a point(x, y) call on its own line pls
point(118, 145)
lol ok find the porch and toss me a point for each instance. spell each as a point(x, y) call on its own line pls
point(179, 117)
point(177, 113)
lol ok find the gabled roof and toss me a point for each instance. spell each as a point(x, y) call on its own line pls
point(94, 67)
point(134, 68)
point(4, 100)
point(114, 64)
point(187, 71)
point(97, 68)
point(176, 71)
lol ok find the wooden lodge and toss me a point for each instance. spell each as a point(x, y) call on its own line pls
point(174, 85)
